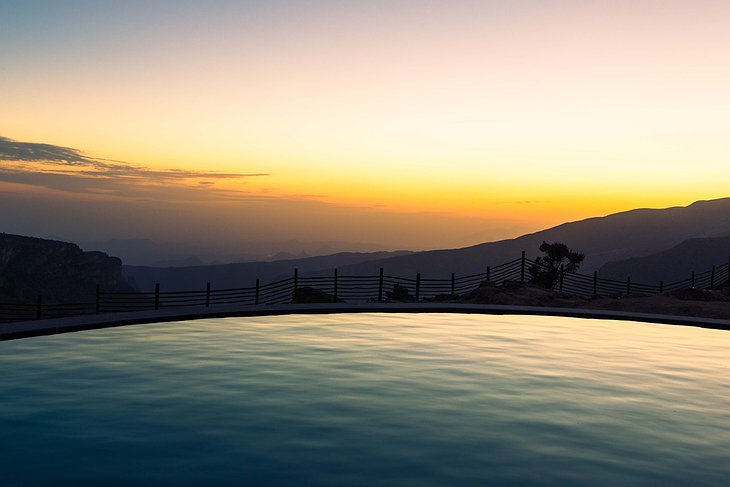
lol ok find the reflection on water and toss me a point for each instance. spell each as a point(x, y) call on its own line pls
point(427, 399)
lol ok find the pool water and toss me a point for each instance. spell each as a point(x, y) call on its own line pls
point(368, 399)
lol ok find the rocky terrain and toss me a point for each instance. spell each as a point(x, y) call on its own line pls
point(687, 302)
point(59, 271)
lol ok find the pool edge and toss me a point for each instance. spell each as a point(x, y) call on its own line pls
point(27, 329)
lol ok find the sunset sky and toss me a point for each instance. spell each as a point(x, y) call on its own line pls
point(413, 123)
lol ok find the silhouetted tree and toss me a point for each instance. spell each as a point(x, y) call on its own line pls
point(546, 269)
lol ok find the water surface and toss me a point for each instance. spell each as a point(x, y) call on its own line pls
point(368, 399)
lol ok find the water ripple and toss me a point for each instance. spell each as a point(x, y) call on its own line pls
point(427, 399)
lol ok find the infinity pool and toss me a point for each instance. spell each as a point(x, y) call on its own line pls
point(368, 399)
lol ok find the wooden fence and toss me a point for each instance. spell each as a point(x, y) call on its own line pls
point(349, 288)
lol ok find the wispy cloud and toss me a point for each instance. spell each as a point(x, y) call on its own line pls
point(13, 150)
point(69, 169)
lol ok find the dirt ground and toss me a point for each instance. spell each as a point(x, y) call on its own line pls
point(691, 302)
point(666, 305)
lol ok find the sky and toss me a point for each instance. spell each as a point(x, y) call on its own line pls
point(417, 124)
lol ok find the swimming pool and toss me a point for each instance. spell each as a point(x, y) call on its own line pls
point(363, 399)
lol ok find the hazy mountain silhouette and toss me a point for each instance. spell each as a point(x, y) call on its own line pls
point(242, 274)
point(143, 251)
point(696, 254)
point(146, 252)
point(629, 234)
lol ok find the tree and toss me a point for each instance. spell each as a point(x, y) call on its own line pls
point(546, 269)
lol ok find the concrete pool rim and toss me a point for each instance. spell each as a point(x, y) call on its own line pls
point(26, 329)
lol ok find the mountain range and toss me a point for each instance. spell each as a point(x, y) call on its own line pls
point(631, 234)
point(647, 244)
point(243, 274)
point(695, 254)
point(146, 252)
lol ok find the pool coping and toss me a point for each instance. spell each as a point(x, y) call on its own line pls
point(25, 329)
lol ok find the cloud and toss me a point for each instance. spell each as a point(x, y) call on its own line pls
point(68, 169)
point(12, 150)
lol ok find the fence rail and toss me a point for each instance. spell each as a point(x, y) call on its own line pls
point(347, 288)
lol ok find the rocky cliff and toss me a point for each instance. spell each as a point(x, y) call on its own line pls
point(59, 271)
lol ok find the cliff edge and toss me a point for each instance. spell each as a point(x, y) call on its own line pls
point(60, 271)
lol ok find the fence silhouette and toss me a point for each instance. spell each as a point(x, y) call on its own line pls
point(351, 288)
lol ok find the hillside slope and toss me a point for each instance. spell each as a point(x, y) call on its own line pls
point(243, 274)
point(619, 236)
point(634, 233)
point(696, 254)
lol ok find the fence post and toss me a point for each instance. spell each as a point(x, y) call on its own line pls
point(207, 295)
point(712, 278)
point(380, 285)
point(418, 286)
point(628, 286)
point(693, 280)
point(522, 267)
point(335, 299)
point(97, 307)
point(39, 307)
point(562, 277)
point(257, 291)
point(453, 291)
point(157, 296)
point(661, 287)
point(296, 279)
point(489, 272)
point(595, 282)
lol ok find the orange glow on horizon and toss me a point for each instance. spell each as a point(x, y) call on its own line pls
point(534, 114)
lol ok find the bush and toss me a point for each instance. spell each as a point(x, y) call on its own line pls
point(400, 293)
point(546, 269)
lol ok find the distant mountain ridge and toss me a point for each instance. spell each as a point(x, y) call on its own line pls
point(242, 274)
point(695, 254)
point(629, 234)
point(146, 252)
point(648, 244)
